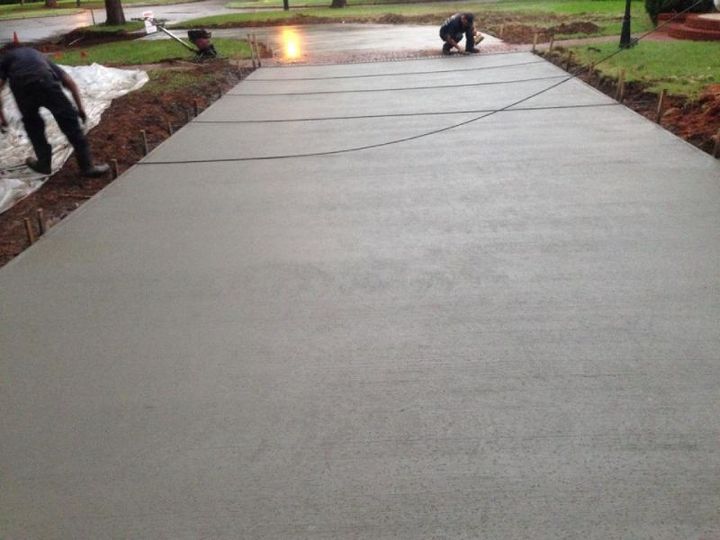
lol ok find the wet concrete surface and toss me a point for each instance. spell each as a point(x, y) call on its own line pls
point(426, 325)
point(308, 43)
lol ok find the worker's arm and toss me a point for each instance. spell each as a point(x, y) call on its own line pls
point(454, 43)
point(3, 121)
point(75, 91)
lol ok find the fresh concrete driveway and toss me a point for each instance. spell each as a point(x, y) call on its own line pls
point(505, 330)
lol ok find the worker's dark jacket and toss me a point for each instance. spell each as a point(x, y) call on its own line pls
point(453, 27)
point(36, 82)
point(25, 66)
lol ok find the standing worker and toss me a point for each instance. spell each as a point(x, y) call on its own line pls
point(452, 30)
point(37, 82)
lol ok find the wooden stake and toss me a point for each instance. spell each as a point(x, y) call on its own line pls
point(535, 40)
point(621, 86)
point(552, 42)
point(502, 31)
point(569, 61)
point(257, 51)
point(115, 168)
point(42, 227)
point(170, 128)
point(716, 152)
point(145, 143)
point(252, 50)
point(661, 106)
point(196, 106)
point(188, 115)
point(29, 230)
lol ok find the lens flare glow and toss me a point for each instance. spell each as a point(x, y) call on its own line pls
point(292, 46)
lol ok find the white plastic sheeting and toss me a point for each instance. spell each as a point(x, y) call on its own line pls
point(99, 85)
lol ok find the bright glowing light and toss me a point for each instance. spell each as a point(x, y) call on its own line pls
point(292, 49)
point(291, 43)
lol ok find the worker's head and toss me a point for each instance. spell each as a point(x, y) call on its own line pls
point(467, 19)
point(202, 43)
point(200, 38)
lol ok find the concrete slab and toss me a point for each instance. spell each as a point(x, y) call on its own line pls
point(505, 331)
point(491, 83)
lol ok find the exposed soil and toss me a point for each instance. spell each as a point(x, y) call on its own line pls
point(154, 109)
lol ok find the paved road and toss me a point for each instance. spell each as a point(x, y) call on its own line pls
point(38, 29)
point(506, 329)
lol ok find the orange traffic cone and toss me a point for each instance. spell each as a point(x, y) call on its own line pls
point(16, 41)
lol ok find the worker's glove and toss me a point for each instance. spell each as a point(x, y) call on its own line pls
point(82, 115)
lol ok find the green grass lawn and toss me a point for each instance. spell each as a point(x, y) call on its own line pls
point(16, 11)
point(681, 67)
point(606, 14)
point(163, 80)
point(127, 53)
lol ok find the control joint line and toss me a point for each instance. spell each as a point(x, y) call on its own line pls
point(402, 89)
point(405, 115)
point(394, 74)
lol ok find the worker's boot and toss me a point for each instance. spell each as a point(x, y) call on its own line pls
point(447, 48)
point(87, 168)
point(95, 171)
point(42, 167)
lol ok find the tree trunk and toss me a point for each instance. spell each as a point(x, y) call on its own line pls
point(51, 4)
point(338, 3)
point(115, 13)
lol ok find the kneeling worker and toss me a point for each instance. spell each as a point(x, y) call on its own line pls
point(452, 30)
point(37, 82)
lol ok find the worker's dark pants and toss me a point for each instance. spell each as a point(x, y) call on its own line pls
point(469, 40)
point(49, 94)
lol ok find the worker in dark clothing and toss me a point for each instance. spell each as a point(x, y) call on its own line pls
point(37, 82)
point(452, 30)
